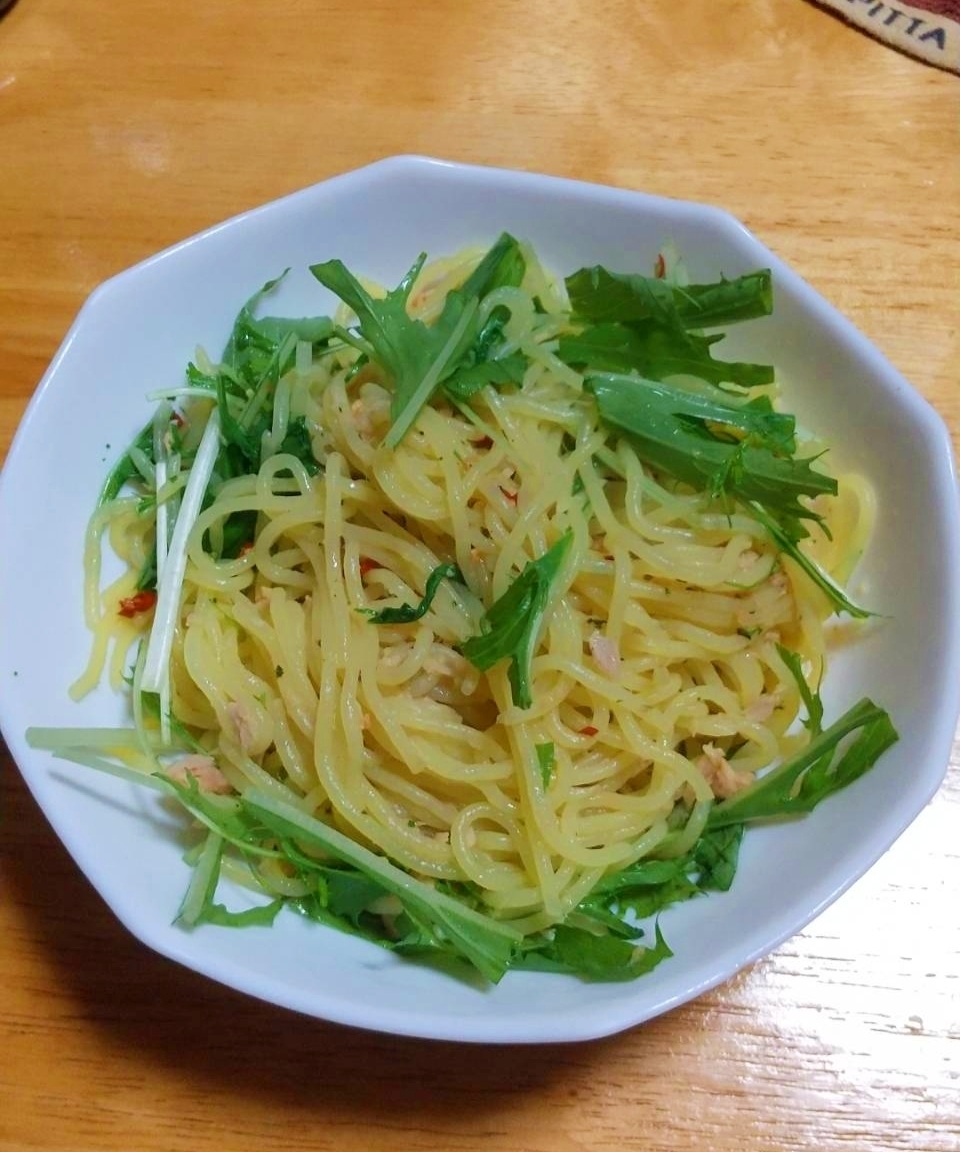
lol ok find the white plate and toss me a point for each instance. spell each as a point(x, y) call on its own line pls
point(136, 333)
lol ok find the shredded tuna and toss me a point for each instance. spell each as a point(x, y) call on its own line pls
point(204, 770)
point(724, 781)
point(443, 661)
point(361, 418)
point(763, 707)
point(605, 653)
point(395, 655)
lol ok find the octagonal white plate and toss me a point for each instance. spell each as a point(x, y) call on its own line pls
point(136, 333)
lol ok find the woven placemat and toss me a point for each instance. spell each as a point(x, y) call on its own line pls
point(927, 29)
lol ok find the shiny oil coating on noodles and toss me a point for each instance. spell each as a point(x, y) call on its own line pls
point(657, 682)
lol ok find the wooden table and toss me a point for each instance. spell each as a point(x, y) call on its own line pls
point(124, 127)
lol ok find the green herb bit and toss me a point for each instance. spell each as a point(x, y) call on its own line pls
point(547, 762)
point(511, 626)
point(408, 613)
point(810, 697)
point(297, 442)
point(147, 577)
point(125, 470)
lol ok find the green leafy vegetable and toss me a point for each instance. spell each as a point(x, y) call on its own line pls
point(345, 876)
point(260, 916)
point(419, 357)
point(449, 925)
point(511, 625)
point(673, 431)
point(348, 893)
point(647, 887)
point(600, 295)
point(407, 613)
point(656, 353)
point(253, 346)
point(786, 542)
point(481, 364)
point(470, 380)
point(257, 354)
point(592, 956)
point(715, 856)
point(802, 781)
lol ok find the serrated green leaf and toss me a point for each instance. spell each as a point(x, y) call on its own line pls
point(793, 788)
point(660, 423)
point(604, 296)
point(511, 625)
point(656, 353)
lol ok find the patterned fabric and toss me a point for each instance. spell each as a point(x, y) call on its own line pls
point(927, 29)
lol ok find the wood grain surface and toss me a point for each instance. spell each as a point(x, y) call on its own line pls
point(125, 127)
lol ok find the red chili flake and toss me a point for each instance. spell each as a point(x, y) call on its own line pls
point(131, 606)
point(483, 442)
point(589, 730)
point(513, 497)
point(245, 548)
point(178, 420)
point(660, 268)
point(367, 565)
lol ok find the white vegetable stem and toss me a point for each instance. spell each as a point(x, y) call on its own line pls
point(161, 423)
point(170, 584)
